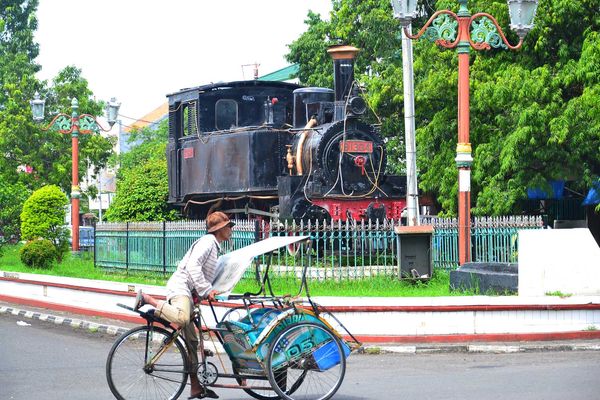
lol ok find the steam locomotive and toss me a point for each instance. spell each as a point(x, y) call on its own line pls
point(277, 149)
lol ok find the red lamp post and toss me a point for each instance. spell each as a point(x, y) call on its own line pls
point(465, 31)
point(74, 125)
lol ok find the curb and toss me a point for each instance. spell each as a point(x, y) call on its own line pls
point(422, 348)
point(70, 322)
point(479, 348)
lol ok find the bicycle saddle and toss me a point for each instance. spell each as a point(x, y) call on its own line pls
point(149, 316)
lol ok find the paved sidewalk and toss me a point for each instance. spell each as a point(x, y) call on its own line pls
point(116, 328)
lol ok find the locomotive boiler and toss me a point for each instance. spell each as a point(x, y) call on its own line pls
point(276, 149)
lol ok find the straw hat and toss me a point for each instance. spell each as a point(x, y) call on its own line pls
point(216, 221)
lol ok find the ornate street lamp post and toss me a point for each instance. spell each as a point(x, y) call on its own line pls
point(465, 31)
point(74, 125)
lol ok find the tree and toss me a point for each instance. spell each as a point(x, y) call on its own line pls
point(533, 113)
point(17, 81)
point(43, 217)
point(23, 144)
point(12, 197)
point(148, 144)
point(142, 183)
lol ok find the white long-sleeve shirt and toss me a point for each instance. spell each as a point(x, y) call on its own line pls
point(196, 270)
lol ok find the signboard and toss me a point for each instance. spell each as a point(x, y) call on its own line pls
point(188, 152)
point(356, 146)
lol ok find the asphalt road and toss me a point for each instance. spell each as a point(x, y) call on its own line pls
point(44, 361)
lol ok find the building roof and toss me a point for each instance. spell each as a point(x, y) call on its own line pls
point(283, 74)
point(152, 117)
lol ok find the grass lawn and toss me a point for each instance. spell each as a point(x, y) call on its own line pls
point(74, 267)
point(382, 286)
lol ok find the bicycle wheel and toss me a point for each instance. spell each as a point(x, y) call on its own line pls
point(306, 361)
point(127, 376)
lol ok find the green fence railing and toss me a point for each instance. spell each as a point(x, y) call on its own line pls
point(496, 239)
point(338, 250)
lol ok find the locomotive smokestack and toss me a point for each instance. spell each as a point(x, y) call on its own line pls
point(343, 69)
point(343, 74)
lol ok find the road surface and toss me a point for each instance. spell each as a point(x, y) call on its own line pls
point(39, 360)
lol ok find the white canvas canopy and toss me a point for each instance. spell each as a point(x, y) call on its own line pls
point(233, 265)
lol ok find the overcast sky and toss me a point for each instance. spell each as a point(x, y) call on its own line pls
point(140, 50)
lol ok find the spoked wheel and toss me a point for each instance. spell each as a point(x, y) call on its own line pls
point(129, 377)
point(266, 394)
point(306, 361)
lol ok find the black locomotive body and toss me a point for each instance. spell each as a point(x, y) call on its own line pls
point(281, 150)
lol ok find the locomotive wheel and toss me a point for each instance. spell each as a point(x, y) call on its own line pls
point(302, 210)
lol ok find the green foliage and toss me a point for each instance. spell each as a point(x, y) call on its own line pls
point(22, 142)
point(142, 194)
point(52, 157)
point(43, 217)
point(12, 197)
point(142, 185)
point(534, 113)
point(17, 81)
point(38, 253)
point(149, 144)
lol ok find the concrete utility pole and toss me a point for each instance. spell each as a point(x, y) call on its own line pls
point(412, 194)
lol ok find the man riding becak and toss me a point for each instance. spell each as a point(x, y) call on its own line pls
point(193, 280)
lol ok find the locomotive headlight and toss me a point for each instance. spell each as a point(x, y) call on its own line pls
point(357, 106)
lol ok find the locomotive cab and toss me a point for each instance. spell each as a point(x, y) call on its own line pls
point(226, 141)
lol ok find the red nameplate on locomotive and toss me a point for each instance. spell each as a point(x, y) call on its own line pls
point(188, 152)
point(356, 146)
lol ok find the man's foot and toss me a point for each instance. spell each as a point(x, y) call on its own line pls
point(139, 300)
point(210, 394)
point(204, 393)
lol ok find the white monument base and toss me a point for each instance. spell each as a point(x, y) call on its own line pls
point(558, 260)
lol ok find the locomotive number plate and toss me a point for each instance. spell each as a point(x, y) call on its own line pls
point(356, 146)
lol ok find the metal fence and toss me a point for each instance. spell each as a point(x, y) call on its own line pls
point(338, 250)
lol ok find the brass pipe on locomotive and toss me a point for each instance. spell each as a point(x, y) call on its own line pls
point(311, 124)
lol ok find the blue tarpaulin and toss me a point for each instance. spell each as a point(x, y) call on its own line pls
point(537, 193)
point(593, 196)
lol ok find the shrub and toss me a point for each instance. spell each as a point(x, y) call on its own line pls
point(39, 253)
point(43, 216)
point(142, 194)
